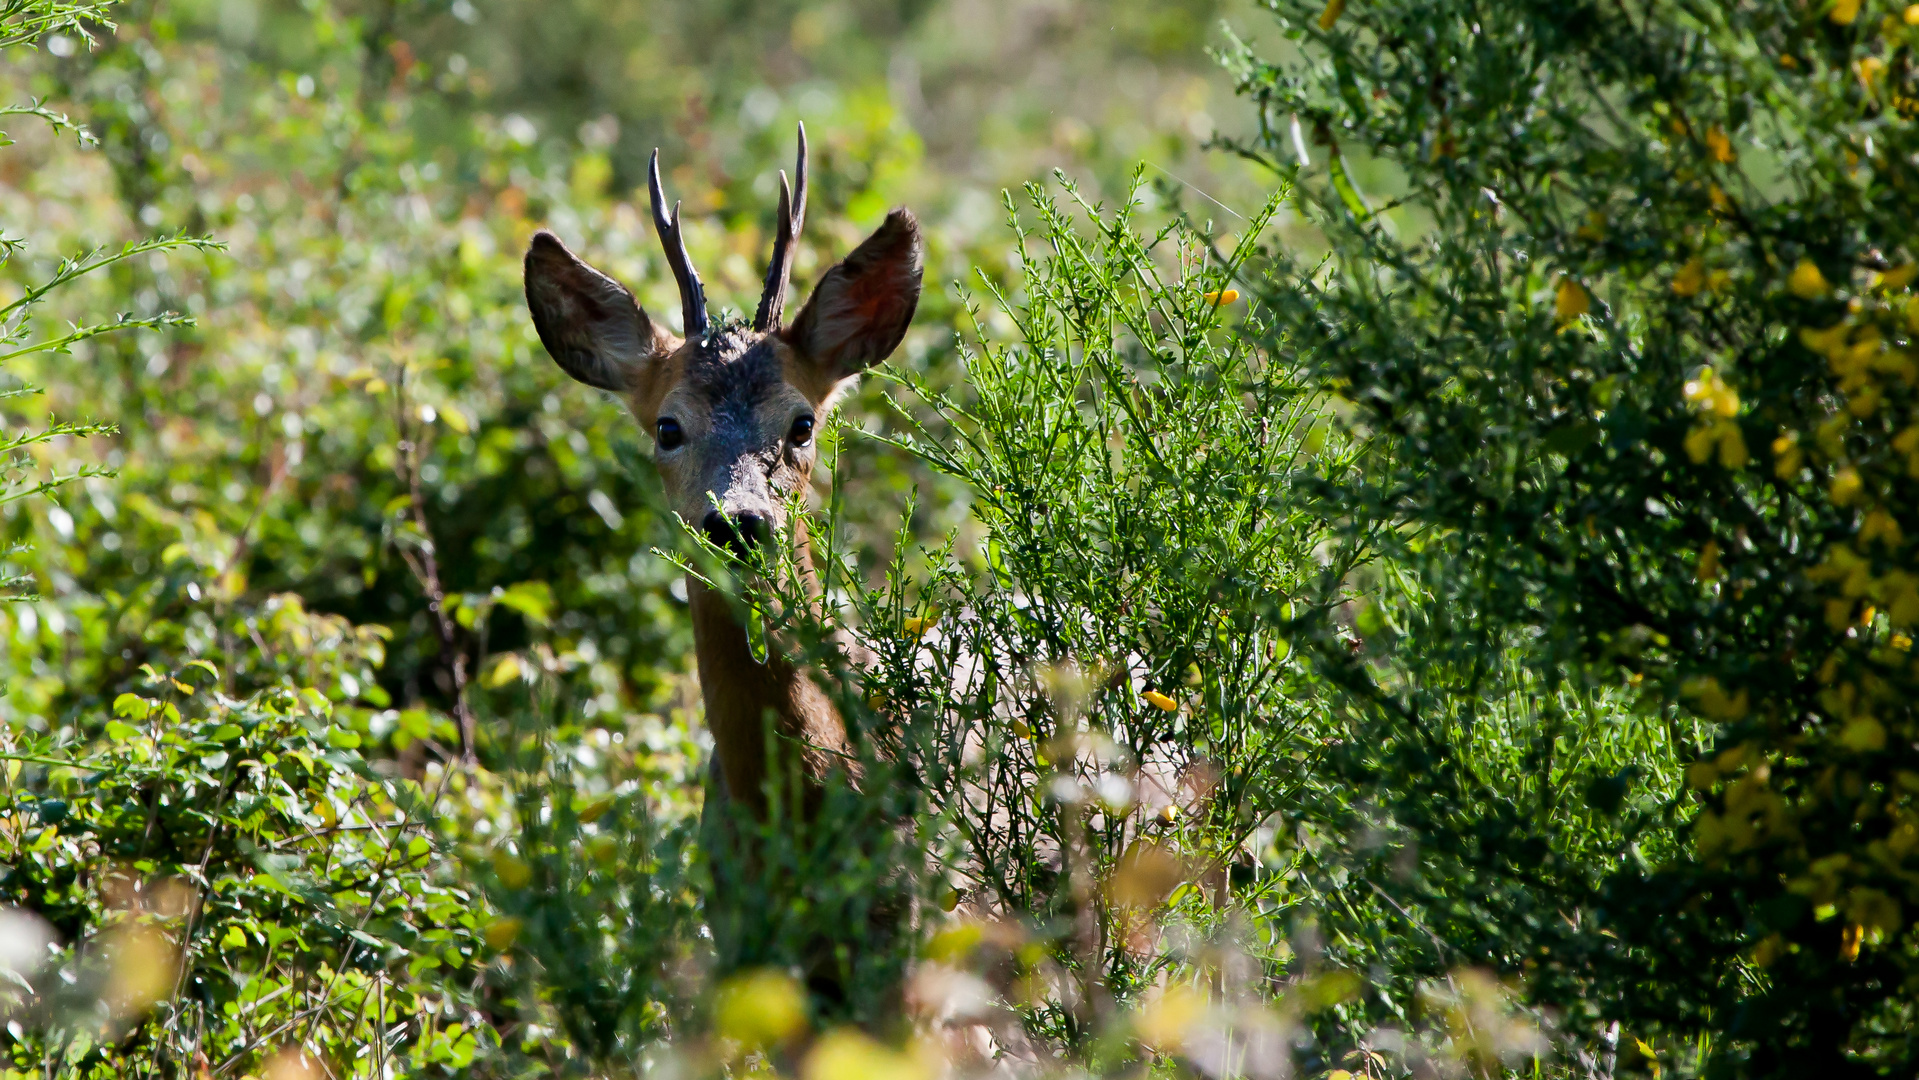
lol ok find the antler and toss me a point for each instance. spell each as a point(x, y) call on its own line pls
point(692, 294)
point(792, 215)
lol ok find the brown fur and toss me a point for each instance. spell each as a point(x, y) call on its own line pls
point(735, 394)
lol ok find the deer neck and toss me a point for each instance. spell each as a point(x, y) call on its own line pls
point(762, 715)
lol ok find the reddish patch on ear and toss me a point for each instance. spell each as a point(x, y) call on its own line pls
point(861, 308)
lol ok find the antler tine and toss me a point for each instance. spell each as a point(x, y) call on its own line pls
point(692, 293)
point(792, 215)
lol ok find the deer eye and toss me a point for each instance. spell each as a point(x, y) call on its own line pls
point(802, 432)
point(668, 434)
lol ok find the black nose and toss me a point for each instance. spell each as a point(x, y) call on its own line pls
point(745, 530)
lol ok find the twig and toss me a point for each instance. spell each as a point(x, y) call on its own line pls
point(425, 565)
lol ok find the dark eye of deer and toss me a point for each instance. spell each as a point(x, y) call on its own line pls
point(802, 432)
point(667, 432)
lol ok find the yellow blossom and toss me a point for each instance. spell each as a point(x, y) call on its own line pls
point(1868, 69)
point(1732, 445)
point(846, 1054)
point(1164, 1023)
point(917, 625)
point(512, 871)
point(1851, 936)
point(1720, 147)
point(759, 1008)
point(1788, 458)
point(1880, 525)
point(1912, 15)
point(1708, 568)
point(1691, 278)
point(1807, 282)
point(1863, 734)
point(1331, 15)
point(501, 933)
point(1846, 486)
point(1843, 11)
point(1700, 442)
point(1899, 276)
point(1160, 701)
point(1570, 301)
point(1222, 297)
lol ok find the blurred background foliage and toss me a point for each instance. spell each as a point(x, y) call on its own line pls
point(1317, 681)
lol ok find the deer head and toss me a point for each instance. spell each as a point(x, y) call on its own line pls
point(732, 408)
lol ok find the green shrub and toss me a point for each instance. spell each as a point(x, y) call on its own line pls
point(1627, 321)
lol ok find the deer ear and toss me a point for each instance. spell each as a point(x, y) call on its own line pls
point(589, 323)
point(860, 310)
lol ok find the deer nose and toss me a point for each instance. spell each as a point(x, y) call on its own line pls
point(739, 532)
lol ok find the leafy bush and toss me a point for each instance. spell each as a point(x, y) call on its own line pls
point(1630, 335)
point(1484, 648)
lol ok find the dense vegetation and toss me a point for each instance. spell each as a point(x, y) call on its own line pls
point(1449, 615)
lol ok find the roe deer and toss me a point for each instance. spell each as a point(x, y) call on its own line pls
point(732, 409)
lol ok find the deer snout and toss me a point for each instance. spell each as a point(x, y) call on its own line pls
point(738, 532)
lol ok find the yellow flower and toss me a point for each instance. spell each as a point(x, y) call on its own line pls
point(1691, 278)
point(1571, 300)
point(1843, 11)
point(1899, 276)
point(917, 625)
point(1165, 1021)
point(1851, 936)
point(1708, 568)
point(1700, 442)
point(1720, 147)
point(1732, 446)
point(1846, 486)
point(1160, 701)
point(846, 1054)
point(1331, 15)
point(759, 1008)
point(1912, 15)
point(1868, 69)
point(1788, 458)
point(1829, 343)
point(1863, 734)
point(1222, 297)
point(512, 872)
point(1807, 282)
point(501, 933)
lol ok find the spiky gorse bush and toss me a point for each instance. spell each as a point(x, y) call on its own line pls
point(1120, 797)
point(1634, 329)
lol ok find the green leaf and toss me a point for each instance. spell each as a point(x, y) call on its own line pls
point(1347, 191)
point(532, 599)
point(133, 706)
